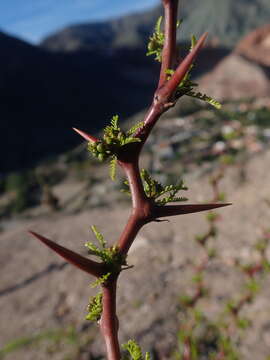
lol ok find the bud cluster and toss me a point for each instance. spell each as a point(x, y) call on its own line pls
point(113, 139)
point(102, 149)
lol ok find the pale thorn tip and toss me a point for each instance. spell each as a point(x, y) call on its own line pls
point(86, 136)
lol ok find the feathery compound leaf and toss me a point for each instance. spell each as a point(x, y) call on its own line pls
point(93, 249)
point(99, 236)
point(154, 190)
point(170, 199)
point(156, 42)
point(101, 280)
point(135, 351)
point(114, 122)
point(158, 25)
point(94, 308)
point(204, 97)
point(130, 140)
point(193, 42)
point(134, 128)
point(113, 164)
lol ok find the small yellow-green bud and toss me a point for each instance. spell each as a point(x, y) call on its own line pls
point(108, 140)
point(120, 134)
point(101, 157)
point(100, 148)
point(151, 46)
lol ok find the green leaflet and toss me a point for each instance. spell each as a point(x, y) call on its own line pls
point(162, 194)
point(110, 256)
point(101, 280)
point(203, 97)
point(114, 122)
point(156, 42)
point(114, 262)
point(99, 236)
point(134, 351)
point(94, 308)
point(113, 164)
point(193, 42)
point(134, 128)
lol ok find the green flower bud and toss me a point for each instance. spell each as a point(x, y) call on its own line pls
point(101, 157)
point(100, 148)
point(152, 45)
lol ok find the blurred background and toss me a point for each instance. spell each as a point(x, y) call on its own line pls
point(76, 63)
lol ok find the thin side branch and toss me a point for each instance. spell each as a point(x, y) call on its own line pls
point(129, 233)
point(150, 120)
point(169, 48)
point(132, 172)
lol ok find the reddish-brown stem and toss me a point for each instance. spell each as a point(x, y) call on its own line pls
point(152, 116)
point(141, 206)
point(109, 321)
point(135, 183)
point(131, 230)
point(169, 48)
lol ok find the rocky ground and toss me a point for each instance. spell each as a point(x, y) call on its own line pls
point(43, 300)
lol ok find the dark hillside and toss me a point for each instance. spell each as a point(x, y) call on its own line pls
point(42, 95)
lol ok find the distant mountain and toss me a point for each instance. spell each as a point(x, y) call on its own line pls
point(226, 21)
point(129, 31)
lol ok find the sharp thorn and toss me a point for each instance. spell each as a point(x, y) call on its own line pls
point(86, 136)
point(87, 265)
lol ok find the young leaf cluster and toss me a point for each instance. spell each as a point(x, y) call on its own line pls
point(110, 256)
point(186, 87)
point(94, 308)
point(113, 261)
point(161, 194)
point(156, 42)
point(113, 139)
point(135, 352)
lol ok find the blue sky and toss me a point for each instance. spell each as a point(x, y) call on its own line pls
point(33, 19)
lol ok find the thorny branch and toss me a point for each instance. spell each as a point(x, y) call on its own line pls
point(144, 210)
